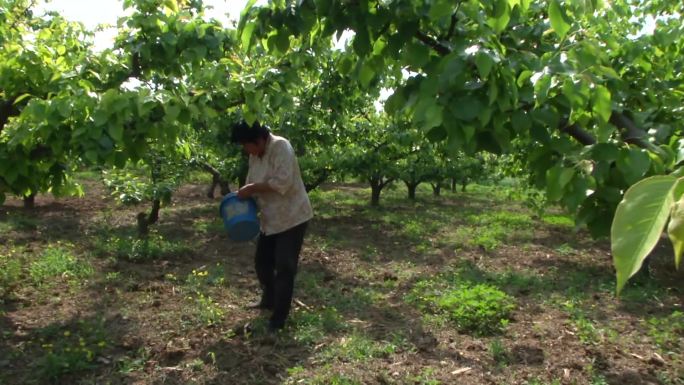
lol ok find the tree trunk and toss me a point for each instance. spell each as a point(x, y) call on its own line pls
point(30, 201)
point(411, 187)
point(437, 189)
point(223, 184)
point(453, 185)
point(216, 180)
point(145, 221)
point(464, 183)
point(225, 187)
point(376, 188)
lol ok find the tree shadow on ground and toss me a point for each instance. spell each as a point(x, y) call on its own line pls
point(86, 346)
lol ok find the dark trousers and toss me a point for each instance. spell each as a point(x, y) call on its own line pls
point(277, 256)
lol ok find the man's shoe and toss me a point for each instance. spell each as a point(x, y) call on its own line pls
point(275, 326)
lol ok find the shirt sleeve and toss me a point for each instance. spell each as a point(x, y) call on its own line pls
point(282, 167)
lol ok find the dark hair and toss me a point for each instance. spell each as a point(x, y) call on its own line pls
point(244, 133)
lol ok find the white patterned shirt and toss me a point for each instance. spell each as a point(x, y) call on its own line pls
point(289, 205)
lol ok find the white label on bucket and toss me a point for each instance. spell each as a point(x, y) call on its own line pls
point(238, 208)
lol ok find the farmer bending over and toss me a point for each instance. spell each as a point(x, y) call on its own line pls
point(275, 181)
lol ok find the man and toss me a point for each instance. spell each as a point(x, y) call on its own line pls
point(275, 180)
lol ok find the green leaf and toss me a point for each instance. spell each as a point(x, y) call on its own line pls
point(362, 44)
point(346, 64)
point(466, 108)
point(633, 164)
point(246, 37)
point(638, 223)
point(675, 229)
point(91, 156)
point(609, 72)
point(604, 152)
point(100, 117)
point(602, 106)
point(557, 178)
point(366, 74)
point(116, 132)
point(171, 5)
point(395, 102)
point(523, 77)
point(441, 9)
point(244, 12)
point(559, 19)
point(433, 116)
point(501, 17)
point(282, 41)
point(172, 112)
point(521, 121)
point(416, 55)
point(468, 132)
point(541, 88)
point(484, 64)
point(437, 134)
point(20, 98)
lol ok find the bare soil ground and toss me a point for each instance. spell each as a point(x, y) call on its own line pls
point(177, 315)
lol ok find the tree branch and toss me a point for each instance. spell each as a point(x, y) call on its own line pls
point(434, 44)
point(579, 134)
point(386, 182)
point(629, 132)
point(452, 26)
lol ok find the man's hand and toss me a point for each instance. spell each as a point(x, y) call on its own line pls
point(246, 191)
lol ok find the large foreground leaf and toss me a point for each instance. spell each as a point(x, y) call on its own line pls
point(675, 230)
point(638, 224)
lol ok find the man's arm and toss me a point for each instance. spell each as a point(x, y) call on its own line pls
point(248, 190)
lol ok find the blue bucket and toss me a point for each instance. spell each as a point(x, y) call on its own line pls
point(239, 217)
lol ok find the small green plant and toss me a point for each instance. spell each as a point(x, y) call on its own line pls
point(136, 363)
point(70, 351)
point(479, 309)
point(198, 279)
point(598, 380)
point(195, 365)
point(295, 371)
point(10, 273)
point(489, 238)
point(136, 249)
point(565, 249)
point(499, 353)
point(209, 312)
point(314, 326)
point(357, 347)
point(112, 276)
point(537, 202)
point(58, 261)
point(559, 220)
point(426, 377)
point(585, 329)
point(668, 332)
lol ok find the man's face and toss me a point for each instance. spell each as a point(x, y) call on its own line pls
point(256, 149)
